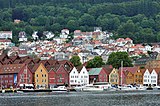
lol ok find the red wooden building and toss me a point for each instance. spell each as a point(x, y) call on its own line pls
point(98, 75)
point(12, 75)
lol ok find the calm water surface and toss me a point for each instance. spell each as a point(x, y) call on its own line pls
point(116, 98)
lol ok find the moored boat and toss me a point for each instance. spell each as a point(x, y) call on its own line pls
point(89, 88)
point(127, 87)
point(60, 89)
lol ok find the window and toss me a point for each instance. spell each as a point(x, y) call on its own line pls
point(60, 75)
point(45, 75)
point(37, 75)
point(29, 80)
point(72, 80)
point(41, 70)
point(45, 80)
point(42, 75)
point(10, 81)
point(10, 76)
point(37, 80)
point(42, 80)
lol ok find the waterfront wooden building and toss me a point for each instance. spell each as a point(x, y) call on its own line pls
point(114, 77)
point(40, 76)
point(98, 75)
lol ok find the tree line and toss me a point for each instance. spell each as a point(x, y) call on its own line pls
point(137, 19)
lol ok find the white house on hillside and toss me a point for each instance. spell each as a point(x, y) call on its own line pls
point(22, 36)
point(6, 34)
point(80, 77)
point(34, 35)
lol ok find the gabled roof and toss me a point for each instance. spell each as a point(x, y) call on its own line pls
point(66, 61)
point(3, 56)
point(36, 60)
point(79, 68)
point(7, 61)
point(11, 68)
point(25, 58)
point(130, 69)
point(17, 61)
point(34, 68)
point(95, 71)
point(13, 58)
point(28, 61)
point(52, 62)
point(108, 68)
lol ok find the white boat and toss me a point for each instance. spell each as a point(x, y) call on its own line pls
point(3, 91)
point(79, 88)
point(127, 87)
point(156, 87)
point(104, 85)
point(141, 87)
point(89, 88)
point(59, 88)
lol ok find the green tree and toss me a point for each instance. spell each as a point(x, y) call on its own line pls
point(29, 30)
point(116, 58)
point(72, 25)
point(75, 60)
point(96, 62)
point(87, 19)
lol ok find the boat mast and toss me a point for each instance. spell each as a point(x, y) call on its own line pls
point(121, 71)
point(1, 82)
point(26, 74)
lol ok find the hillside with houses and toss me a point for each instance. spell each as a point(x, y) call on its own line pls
point(46, 63)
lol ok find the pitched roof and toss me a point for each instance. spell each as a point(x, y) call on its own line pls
point(11, 68)
point(25, 58)
point(13, 58)
point(34, 68)
point(3, 56)
point(130, 69)
point(28, 61)
point(17, 61)
point(95, 71)
point(7, 61)
point(79, 68)
point(52, 62)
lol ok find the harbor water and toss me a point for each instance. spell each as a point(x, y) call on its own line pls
point(114, 98)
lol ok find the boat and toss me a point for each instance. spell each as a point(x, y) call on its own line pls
point(141, 87)
point(127, 87)
point(89, 88)
point(104, 85)
point(156, 87)
point(59, 88)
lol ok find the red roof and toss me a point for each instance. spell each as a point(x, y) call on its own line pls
point(11, 68)
point(130, 69)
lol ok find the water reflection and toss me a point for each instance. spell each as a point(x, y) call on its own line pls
point(146, 98)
